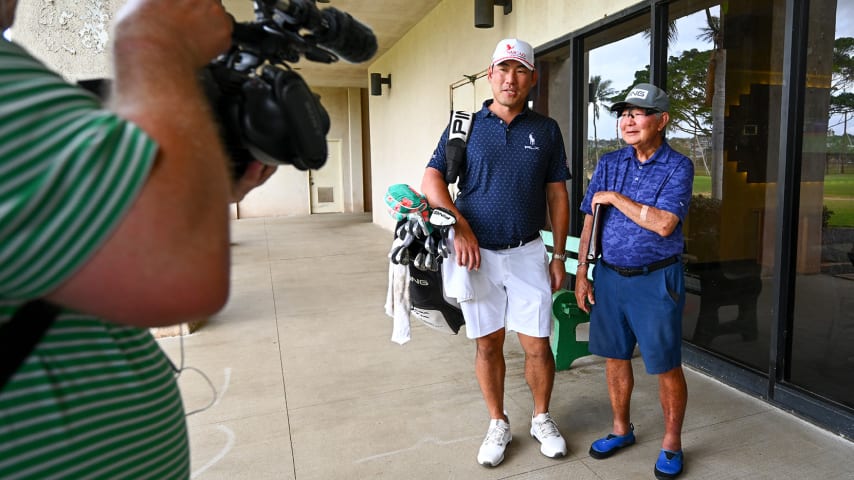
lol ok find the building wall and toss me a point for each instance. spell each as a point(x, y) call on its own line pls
point(407, 120)
point(70, 36)
point(73, 38)
point(287, 191)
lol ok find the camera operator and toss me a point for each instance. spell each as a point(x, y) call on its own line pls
point(255, 175)
point(116, 213)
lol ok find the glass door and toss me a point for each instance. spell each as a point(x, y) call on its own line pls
point(823, 324)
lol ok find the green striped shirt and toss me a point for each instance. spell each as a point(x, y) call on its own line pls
point(94, 399)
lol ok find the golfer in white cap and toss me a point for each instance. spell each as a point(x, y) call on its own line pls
point(515, 165)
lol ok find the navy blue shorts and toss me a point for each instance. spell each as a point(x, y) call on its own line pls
point(645, 310)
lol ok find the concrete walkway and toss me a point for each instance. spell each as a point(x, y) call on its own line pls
point(297, 379)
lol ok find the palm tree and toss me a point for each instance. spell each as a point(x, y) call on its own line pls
point(600, 90)
point(715, 97)
point(712, 33)
point(672, 32)
point(842, 79)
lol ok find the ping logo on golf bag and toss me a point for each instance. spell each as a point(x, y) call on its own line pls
point(455, 150)
point(429, 303)
point(460, 125)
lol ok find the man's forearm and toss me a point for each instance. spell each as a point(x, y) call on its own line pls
point(558, 201)
point(433, 187)
point(584, 242)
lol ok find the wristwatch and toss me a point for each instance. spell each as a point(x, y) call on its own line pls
point(560, 256)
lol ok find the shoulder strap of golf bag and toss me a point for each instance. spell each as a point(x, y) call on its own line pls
point(19, 336)
point(455, 150)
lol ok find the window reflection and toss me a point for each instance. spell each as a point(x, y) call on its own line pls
point(823, 333)
point(551, 94)
point(725, 83)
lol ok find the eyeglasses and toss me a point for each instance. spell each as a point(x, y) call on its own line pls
point(637, 113)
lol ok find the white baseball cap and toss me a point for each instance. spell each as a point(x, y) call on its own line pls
point(514, 49)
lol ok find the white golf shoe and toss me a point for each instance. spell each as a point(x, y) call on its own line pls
point(498, 436)
point(544, 429)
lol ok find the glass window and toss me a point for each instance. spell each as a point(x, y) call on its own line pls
point(550, 96)
point(725, 82)
point(615, 60)
point(823, 324)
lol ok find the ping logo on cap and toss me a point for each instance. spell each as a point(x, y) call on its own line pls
point(638, 93)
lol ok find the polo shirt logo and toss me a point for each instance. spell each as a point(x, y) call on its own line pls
point(532, 143)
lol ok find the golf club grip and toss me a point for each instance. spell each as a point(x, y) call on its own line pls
point(594, 245)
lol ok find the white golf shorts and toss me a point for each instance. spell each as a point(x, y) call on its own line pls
point(511, 290)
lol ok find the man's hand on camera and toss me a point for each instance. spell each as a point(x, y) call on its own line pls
point(195, 31)
point(255, 175)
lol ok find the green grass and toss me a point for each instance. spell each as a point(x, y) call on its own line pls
point(843, 212)
point(702, 185)
point(839, 198)
point(840, 187)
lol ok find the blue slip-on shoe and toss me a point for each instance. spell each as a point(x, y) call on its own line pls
point(669, 464)
point(605, 447)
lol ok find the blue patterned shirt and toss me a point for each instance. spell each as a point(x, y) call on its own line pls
point(502, 191)
point(665, 182)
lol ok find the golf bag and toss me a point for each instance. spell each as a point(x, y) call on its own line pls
point(421, 245)
point(429, 303)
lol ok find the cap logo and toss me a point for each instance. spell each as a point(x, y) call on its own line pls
point(638, 93)
point(512, 49)
point(515, 53)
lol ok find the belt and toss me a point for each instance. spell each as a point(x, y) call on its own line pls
point(634, 271)
point(528, 239)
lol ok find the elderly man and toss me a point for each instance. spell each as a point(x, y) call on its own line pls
point(644, 190)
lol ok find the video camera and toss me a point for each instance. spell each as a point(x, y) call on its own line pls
point(265, 109)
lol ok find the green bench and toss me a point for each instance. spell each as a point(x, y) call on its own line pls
point(565, 312)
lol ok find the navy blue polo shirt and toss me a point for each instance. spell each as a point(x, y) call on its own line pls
point(502, 192)
point(665, 181)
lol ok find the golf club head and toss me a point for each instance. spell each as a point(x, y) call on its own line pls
point(442, 217)
point(443, 248)
point(430, 262)
point(413, 228)
point(424, 228)
point(393, 250)
point(408, 241)
point(434, 267)
point(430, 245)
point(419, 261)
point(393, 254)
point(401, 231)
point(401, 256)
